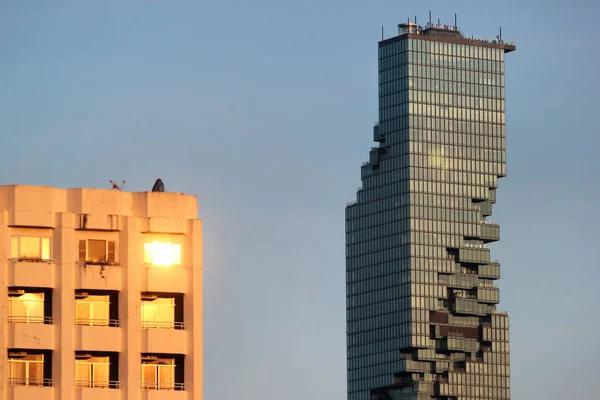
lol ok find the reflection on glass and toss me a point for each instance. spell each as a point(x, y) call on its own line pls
point(92, 372)
point(162, 254)
point(26, 370)
point(30, 247)
point(95, 250)
point(26, 308)
point(93, 310)
point(158, 313)
point(158, 374)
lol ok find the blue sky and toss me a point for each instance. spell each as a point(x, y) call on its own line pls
point(264, 110)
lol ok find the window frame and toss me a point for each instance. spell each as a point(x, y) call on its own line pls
point(110, 380)
point(112, 319)
point(40, 239)
point(46, 362)
point(83, 254)
point(163, 361)
point(175, 309)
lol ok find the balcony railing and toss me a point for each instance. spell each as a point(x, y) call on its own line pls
point(113, 323)
point(162, 386)
point(17, 319)
point(29, 382)
point(162, 325)
point(97, 384)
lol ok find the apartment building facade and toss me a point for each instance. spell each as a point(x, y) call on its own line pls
point(102, 294)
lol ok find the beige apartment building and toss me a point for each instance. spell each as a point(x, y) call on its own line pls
point(100, 295)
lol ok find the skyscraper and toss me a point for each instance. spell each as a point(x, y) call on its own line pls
point(101, 295)
point(422, 321)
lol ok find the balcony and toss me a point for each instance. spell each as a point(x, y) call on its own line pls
point(168, 341)
point(31, 273)
point(38, 389)
point(30, 335)
point(98, 276)
point(486, 208)
point(490, 232)
point(490, 271)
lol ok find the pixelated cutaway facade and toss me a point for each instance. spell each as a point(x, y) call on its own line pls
point(102, 295)
point(421, 302)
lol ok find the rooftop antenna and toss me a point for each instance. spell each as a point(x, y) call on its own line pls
point(415, 19)
point(115, 186)
point(455, 21)
point(382, 33)
point(500, 33)
point(429, 17)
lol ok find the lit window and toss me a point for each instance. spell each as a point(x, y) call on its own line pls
point(30, 247)
point(26, 307)
point(162, 312)
point(162, 253)
point(160, 373)
point(26, 369)
point(93, 310)
point(94, 250)
point(92, 371)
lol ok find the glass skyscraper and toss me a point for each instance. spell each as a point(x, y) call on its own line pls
point(422, 321)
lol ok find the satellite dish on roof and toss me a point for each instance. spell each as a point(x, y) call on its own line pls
point(117, 187)
point(159, 186)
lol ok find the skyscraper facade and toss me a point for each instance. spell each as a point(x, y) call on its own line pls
point(422, 321)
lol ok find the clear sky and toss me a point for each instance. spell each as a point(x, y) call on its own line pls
point(264, 110)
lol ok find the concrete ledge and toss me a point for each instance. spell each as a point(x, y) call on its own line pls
point(32, 274)
point(97, 338)
point(99, 277)
point(164, 395)
point(31, 336)
point(98, 394)
point(164, 279)
point(164, 225)
point(169, 341)
point(30, 392)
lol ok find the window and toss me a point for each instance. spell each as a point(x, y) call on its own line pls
point(29, 306)
point(30, 248)
point(162, 311)
point(96, 370)
point(96, 308)
point(162, 254)
point(29, 368)
point(162, 372)
point(97, 251)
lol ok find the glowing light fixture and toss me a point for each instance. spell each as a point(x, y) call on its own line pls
point(162, 254)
